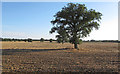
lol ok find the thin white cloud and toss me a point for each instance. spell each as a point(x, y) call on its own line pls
point(27, 35)
point(14, 34)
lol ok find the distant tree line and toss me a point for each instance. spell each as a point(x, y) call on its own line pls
point(102, 41)
point(26, 40)
point(51, 40)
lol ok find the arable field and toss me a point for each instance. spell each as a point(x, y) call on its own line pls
point(51, 57)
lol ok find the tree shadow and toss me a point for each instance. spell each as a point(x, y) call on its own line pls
point(13, 51)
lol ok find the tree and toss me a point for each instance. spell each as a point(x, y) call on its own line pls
point(29, 40)
point(41, 40)
point(77, 21)
point(1, 39)
point(51, 40)
point(25, 40)
point(92, 40)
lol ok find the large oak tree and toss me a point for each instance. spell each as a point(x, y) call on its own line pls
point(76, 21)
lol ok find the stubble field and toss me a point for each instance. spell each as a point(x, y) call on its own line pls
point(55, 57)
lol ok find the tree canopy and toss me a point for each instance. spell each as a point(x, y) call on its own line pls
point(41, 40)
point(76, 21)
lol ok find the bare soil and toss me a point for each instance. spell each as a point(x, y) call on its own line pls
point(55, 57)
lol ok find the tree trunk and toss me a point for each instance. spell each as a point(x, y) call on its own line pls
point(75, 46)
point(75, 38)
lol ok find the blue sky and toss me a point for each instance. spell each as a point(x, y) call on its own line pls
point(32, 19)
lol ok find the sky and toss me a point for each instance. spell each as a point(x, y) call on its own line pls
point(32, 19)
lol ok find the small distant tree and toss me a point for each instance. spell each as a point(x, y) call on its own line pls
point(9, 39)
point(41, 40)
point(1, 39)
point(18, 39)
point(92, 40)
point(25, 40)
point(14, 40)
point(51, 40)
point(29, 40)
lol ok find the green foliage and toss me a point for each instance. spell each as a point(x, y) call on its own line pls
point(25, 40)
point(51, 40)
point(1, 39)
point(61, 39)
point(6, 39)
point(29, 40)
point(92, 40)
point(75, 21)
point(41, 40)
point(63, 36)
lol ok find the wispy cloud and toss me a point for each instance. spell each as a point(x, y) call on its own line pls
point(27, 35)
point(14, 34)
